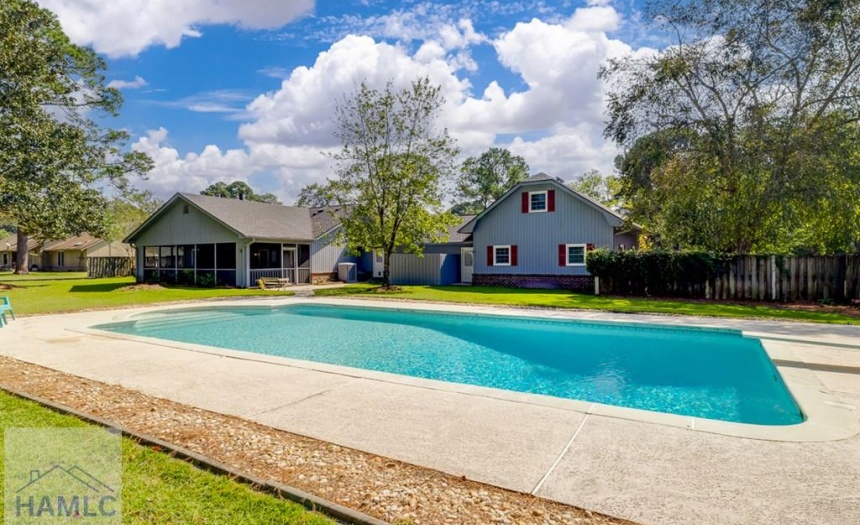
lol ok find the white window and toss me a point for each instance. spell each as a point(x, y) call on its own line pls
point(502, 255)
point(380, 256)
point(576, 255)
point(61, 259)
point(537, 201)
point(468, 257)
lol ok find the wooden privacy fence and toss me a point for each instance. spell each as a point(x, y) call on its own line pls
point(758, 278)
point(110, 266)
point(776, 278)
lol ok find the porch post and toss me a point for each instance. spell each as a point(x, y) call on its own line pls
point(248, 282)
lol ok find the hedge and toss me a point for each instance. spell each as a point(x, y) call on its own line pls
point(656, 273)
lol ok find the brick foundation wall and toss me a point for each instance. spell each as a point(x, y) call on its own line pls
point(581, 283)
point(323, 278)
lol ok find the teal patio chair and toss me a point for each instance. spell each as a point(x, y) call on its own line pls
point(5, 306)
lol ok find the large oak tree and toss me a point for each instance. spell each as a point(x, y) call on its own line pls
point(55, 157)
point(756, 104)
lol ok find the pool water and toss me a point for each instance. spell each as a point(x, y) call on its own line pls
point(694, 372)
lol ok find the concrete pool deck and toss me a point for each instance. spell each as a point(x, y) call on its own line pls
point(654, 469)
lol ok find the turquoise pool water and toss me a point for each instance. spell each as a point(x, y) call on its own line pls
point(702, 373)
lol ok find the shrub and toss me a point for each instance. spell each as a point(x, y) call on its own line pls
point(657, 272)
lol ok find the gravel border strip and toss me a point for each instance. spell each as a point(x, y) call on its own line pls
point(382, 487)
point(301, 497)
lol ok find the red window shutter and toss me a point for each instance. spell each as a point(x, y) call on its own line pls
point(513, 255)
point(489, 255)
point(550, 200)
point(562, 255)
point(525, 199)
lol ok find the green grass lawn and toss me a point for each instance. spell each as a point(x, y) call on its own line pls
point(565, 299)
point(159, 489)
point(39, 293)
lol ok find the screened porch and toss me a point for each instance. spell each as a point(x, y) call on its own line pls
point(281, 261)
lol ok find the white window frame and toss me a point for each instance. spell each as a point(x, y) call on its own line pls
point(545, 201)
point(567, 248)
point(496, 254)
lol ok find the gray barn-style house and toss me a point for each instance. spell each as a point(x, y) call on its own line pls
point(211, 240)
point(538, 234)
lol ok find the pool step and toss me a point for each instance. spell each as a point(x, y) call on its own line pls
point(187, 319)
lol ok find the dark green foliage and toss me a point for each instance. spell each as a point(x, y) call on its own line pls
point(238, 190)
point(485, 178)
point(55, 155)
point(655, 273)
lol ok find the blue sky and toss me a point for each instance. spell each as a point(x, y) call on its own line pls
point(245, 90)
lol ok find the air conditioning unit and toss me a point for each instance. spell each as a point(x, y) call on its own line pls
point(347, 272)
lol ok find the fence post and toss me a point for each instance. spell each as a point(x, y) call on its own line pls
point(596, 285)
point(773, 292)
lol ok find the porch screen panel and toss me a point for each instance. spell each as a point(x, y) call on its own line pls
point(226, 256)
point(304, 253)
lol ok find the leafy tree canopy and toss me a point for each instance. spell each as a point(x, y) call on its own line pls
point(54, 155)
point(238, 190)
point(485, 178)
point(742, 135)
point(315, 195)
point(391, 167)
point(604, 189)
point(127, 212)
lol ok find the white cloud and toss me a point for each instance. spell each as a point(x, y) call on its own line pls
point(127, 27)
point(138, 82)
point(302, 110)
point(555, 121)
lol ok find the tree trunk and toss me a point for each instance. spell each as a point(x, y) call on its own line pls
point(386, 270)
point(22, 256)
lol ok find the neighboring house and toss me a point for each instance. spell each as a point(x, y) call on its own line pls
point(212, 240)
point(9, 250)
point(110, 259)
point(68, 255)
point(538, 234)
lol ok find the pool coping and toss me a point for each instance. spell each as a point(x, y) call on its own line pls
point(826, 418)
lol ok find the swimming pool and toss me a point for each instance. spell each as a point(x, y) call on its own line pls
point(714, 374)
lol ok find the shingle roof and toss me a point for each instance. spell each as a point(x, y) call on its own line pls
point(540, 176)
point(78, 242)
point(12, 242)
point(257, 219)
point(326, 218)
point(454, 234)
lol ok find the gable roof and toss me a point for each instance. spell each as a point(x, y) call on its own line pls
point(325, 219)
point(256, 219)
point(78, 242)
point(542, 178)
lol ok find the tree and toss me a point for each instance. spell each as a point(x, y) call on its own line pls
point(763, 94)
point(127, 212)
point(314, 195)
point(238, 190)
point(603, 189)
point(54, 156)
point(390, 169)
point(485, 178)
